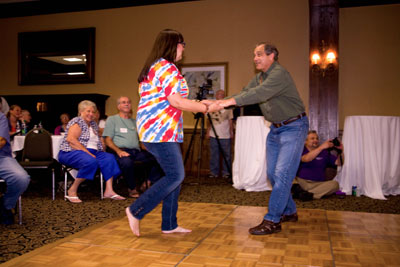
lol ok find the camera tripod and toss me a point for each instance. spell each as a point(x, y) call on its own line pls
point(200, 117)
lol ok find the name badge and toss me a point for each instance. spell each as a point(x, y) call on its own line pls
point(123, 130)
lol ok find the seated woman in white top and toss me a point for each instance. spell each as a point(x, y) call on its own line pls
point(82, 149)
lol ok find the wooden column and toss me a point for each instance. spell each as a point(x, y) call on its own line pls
point(324, 37)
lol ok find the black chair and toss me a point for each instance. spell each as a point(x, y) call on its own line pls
point(19, 205)
point(38, 152)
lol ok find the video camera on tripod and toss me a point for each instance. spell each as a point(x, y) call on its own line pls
point(202, 93)
point(205, 90)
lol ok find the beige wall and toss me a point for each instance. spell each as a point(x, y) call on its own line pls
point(369, 68)
point(215, 31)
point(225, 31)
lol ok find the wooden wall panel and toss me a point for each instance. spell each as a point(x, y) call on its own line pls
point(323, 98)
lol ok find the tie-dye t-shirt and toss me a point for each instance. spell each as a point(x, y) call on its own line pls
point(158, 121)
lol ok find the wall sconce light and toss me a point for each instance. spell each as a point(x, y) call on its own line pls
point(324, 60)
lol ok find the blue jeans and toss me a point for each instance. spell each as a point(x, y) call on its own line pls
point(167, 189)
point(17, 180)
point(284, 148)
point(130, 171)
point(215, 153)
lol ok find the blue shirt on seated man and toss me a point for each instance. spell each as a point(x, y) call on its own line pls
point(17, 179)
point(121, 137)
point(315, 160)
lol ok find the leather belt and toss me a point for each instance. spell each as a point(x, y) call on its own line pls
point(280, 124)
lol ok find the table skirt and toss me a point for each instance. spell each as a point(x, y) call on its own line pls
point(249, 169)
point(372, 156)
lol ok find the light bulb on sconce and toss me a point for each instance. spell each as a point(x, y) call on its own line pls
point(323, 61)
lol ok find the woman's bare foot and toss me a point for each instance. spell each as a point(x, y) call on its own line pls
point(133, 222)
point(72, 193)
point(177, 230)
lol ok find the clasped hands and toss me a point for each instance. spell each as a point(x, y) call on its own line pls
point(217, 105)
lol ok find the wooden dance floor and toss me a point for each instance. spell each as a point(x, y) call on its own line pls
point(220, 238)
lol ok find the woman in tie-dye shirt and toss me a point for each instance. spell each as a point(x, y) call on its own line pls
point(163, 96)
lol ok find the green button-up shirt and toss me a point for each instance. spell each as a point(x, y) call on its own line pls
point(275, 92)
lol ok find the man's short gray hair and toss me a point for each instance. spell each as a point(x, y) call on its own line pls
point(119, 99)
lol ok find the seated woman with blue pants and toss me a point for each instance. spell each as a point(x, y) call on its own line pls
point(82, 149)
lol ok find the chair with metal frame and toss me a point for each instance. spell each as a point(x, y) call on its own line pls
point(38, 153)
point(68, 170)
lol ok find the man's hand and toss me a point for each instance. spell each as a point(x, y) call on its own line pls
point(214, 107)
point(227, 102)
point(122, 153)
point(327, 144)
point(340, 147)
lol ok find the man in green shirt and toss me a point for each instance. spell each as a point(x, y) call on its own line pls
point(276, 94)
point(121, 137)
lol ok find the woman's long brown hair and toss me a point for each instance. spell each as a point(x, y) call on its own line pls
point(164, 47)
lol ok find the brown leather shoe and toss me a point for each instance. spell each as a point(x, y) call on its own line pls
point(290, 218)
point(266, 228)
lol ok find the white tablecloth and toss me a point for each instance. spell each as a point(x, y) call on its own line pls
point(249, 169)
point(372, 156)
point(18, 143)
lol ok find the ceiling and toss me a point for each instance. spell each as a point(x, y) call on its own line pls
point(21, 8)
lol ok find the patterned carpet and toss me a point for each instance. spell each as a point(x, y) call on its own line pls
point(45, 221)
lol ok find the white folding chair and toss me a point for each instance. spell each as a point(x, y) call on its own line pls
point(69, 170)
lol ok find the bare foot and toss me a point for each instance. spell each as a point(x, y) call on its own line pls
point(177, 230)
point(133, 222)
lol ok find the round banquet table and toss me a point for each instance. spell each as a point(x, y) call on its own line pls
point(249, 170)
point(371, 156)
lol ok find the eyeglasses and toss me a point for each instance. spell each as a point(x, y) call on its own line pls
point(183, 44)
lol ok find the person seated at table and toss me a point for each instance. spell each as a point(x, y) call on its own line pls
point(4, 105)
point(121, 137)
point(314, 161)
point(26, 119)
point(81, 149)
point(17, 179)
point(64, 118)
point(14, 116)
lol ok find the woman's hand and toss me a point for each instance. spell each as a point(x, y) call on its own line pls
point(73, 139)
point(207, 102)
point(177, 101)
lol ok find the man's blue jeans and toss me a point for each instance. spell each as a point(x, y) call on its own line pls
point(17, 180)
point(284, 148)
point(215, 153)
point(169, 156)
point(130, 171)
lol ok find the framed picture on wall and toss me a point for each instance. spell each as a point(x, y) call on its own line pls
point(56, 57)
point(204, 79)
